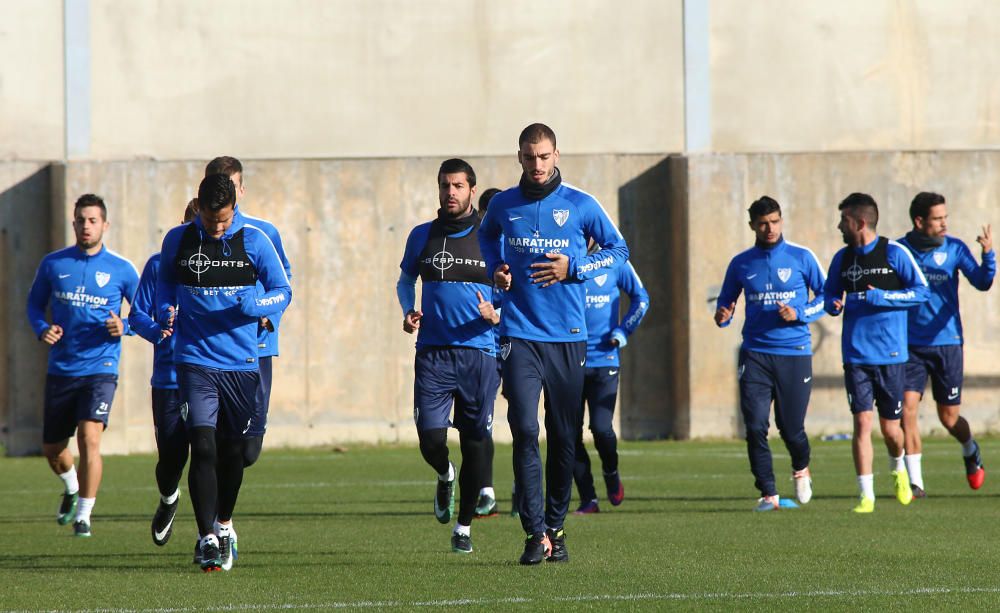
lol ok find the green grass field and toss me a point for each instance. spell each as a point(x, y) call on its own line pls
point(323, 530)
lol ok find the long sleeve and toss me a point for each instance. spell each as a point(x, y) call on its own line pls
point(141, 310)
point(730, 292)
point(832, 290)
point(38, 300)
point(629, 282)
point(980, 276)
point(613, 253)
point(815, 279)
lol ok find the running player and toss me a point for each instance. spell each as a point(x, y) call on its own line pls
point(455, 361)
point(775, 362)
point(881, 281)
point(209, 269)
point(486, 505)
point(84, 286)
point(267, 331)
point(606, 335)
point(935, 332)
point(534, 240)
point(168, 423)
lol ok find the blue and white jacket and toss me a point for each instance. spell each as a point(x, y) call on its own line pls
point(142, 318)
point(937, 322)
point(520, 231)
point(874, 331)
point(213, 285)
point(82, 291)
point(784, 273)
point(603, 324)
point(267, 340)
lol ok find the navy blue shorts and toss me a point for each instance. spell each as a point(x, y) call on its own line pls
point(70, 400)
point(168, 422)
point(219, 399)
point(262, 399)
point(944, 365)
point(463, 376)
point(881, 386)
point(784, 379)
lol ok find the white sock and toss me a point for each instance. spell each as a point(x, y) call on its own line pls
point(450, 475)
point(209, 538)
point(897, 464)
point(488, 491)
point(914, 469)
point(83, 509)
point(463, 530)
point(866, 486)
point(70, 481)
point(222, 528)
point(969, 447)
point(171, 499)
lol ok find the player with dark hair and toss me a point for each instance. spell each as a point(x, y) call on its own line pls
point(168, 423)
point(607, 333)
point(455, 363)
point(486, 505)
point(267, 331)
point(83, 286)
point(881, 281)
point(935, 332)
point(775, 364)
point(207, 296)
point(534, 240)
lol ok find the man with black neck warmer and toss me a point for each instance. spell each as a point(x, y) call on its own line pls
point(456, 360)
point(881, 281)
point(534, 240)
point(935, 332)
point(775, 361)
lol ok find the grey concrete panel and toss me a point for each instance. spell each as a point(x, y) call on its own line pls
point(24, 240)
point(32, 109)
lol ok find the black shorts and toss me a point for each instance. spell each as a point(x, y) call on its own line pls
point(878, 385)
point(945, 366)
point(70, 400)
point(221, 399)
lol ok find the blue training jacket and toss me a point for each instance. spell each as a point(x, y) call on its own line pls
point(520, 231)
point(937, 322)
point(267, 341)
point(142, 319)
point(603, 324)
point(82, 291)
point(785, 273)
point(450, 308)
point(874, 331)
point(213, 284)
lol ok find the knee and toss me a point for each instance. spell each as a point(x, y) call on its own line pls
point(251, 450)
point(203, 447)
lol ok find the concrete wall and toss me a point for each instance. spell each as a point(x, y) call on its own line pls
point(345, 371)
point(352, 78)
point(389, 78)
point(791, 75)
point(32, 109)
point(809, 187)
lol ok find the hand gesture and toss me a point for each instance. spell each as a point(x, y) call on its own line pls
point(486, 310)
point(986, 239)
point(114, 325)
point(724, 314)
point(551, 272)
point(52, 334)
point(786, 312)
point(411, 321)
point(502, 277)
